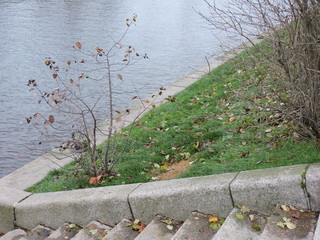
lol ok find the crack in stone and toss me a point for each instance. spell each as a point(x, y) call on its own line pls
point(128, 200)
point(230, 192)
point(304, 187)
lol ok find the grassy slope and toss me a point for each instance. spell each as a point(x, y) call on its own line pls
point(215, 125)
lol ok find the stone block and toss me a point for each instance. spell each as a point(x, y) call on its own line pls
point(9, 197)
point(262, 189)
point(106, 204)
point(178, 198)
point(313, 186)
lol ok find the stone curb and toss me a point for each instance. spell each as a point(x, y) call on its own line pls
point(9, 198)
point(217, 194)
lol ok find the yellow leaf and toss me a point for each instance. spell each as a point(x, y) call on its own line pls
point(285, 208)
point(213, 218)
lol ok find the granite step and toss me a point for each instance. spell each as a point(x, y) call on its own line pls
point(121, 231)
point(290, 223)
point(286, 222)
point(93, 231)
point(242, 223)
point(160, 228)
point(14, 235)
point(197, 227)
point(65, 232)
point(38, 233)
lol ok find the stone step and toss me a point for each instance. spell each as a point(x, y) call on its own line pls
point(38, 233)
point(196, 227)
point(65, 232)
point(93, 231)
point(122, 231)
point(289, 223)
point(160, 228)
point(242, 224)
point(14, 235)
point(317, 231)
point(285, 223)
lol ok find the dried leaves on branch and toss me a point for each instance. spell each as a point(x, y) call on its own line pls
point(291, 28)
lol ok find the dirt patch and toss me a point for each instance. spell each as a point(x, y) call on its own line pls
point(174, 170)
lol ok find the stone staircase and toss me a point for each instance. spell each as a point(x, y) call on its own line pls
point(286, 222)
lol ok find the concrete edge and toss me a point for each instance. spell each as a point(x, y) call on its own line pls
point(177, 198)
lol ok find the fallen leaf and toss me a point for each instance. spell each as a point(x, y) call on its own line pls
point(72, 225)
point(51, 119)
point(141, 227)
point(170, 227)
point(215, 226)
point(244, 209)
point(136, 221)
point(295, 213)
point(281, 225)
point(268, 130)
point(242, 130)
point(251, 216)
point(213, 218)
point(290, 225)
point(54, 75)
point(120, 76)
point(239, 216)
point(201, 230)
point(93, 231)
point(78, 45)
point(232, 119)
point(257, 228)
point(285, 208)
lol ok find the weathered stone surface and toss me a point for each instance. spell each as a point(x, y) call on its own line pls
point(65, 232)
point(196, 227)
point(313, 186)
point(157, 229)
point(262, 189)
point(317, 231)
point(304, 226)
point(9, 197)
point(106, 204)
point(235, 228)
point(36, 170)
point(178, 198)
point(14, 235)
point(122, 231)
point(93, 231)
point(38, 233)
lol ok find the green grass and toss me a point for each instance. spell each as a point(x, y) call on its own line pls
point(223, 123)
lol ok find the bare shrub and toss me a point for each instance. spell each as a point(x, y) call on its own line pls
point(79, 113)
point(291, 50)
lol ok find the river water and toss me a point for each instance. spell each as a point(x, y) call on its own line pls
point(173, 35)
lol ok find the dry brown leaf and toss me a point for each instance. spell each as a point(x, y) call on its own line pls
point(295, 214)
point(141, 227)
point(93, 180)
point(78, 45)
point(51, 119)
